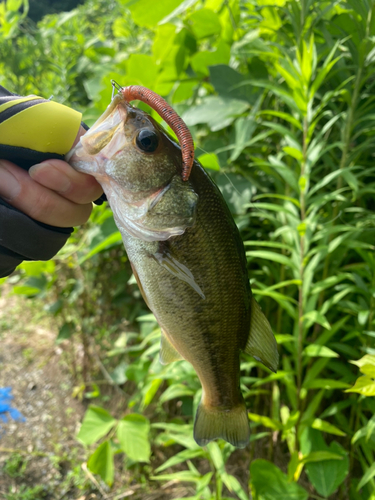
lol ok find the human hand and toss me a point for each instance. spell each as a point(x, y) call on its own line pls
point(51, 192)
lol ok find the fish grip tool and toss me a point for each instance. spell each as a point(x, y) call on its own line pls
point(34, 129)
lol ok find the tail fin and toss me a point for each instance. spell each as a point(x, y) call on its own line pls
point(232, 425)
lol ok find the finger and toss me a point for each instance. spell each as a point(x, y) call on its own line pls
point(62, 178)
point(37, 201)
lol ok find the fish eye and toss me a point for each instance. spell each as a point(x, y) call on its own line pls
point(147, 140)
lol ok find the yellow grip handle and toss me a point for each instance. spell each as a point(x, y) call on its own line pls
point(38, 124)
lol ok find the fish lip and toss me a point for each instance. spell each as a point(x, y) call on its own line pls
point(118, 98)
point(116, 101)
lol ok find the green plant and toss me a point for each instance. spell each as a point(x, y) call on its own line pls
point(15, 465)
point(279, 97)
point(27, 493)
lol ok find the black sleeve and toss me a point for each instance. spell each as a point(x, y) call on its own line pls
point(23, 238)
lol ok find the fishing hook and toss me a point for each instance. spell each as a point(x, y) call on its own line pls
point(169, 115)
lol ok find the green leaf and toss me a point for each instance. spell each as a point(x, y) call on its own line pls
point(318, 456)
point(225, 81)
point(183, 475)
point(368, 359)
point(101, 462)
point(132, 432)
point(217, 112)
point(369, 474)
point(97, 422)
point(326, 383)
point(182, 456)
point(326, 475)
point(203, 61)
point(204, 22)
point(324, 426)
point(316, 350)
point(364, 385)
point(234, 486)
point(65, 332)
point(175, 391)
point(269, 483)
point(294, 152)
point(209, 160)
point(216, 456)
point(273, 256)
point(316, 317)
point(148, 12)
point(36, 268)
point(25, 290)
point(368, 370)
point(266, 421)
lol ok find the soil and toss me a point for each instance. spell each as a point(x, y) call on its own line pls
point(31, 364)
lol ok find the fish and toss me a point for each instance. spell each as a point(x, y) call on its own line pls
point(187, 257)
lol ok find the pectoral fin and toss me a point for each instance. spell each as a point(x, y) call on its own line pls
point(178, 270)
point(261, 343)
point(168, 353)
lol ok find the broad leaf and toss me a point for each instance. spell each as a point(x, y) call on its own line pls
point(364, 385)
point(269, 483)
point(101, 462)
point(132, 432)
point(325, 475)
point(97, 422)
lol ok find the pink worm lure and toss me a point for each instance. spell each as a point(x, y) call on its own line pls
point(169, 115)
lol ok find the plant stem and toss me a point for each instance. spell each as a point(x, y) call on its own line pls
point(302, 200)
point(218, 485)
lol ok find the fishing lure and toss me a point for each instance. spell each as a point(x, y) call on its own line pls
point(169, 115)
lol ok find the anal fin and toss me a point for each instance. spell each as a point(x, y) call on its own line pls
point(168, 353)
point(261, 343)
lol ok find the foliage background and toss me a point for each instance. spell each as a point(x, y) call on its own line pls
point(279, 97)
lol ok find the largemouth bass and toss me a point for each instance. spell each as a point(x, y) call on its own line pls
point(188, 259)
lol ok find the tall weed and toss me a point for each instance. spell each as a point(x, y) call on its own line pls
point(279, 97)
